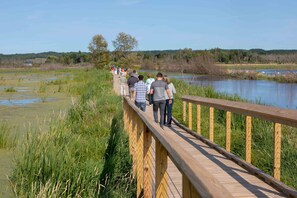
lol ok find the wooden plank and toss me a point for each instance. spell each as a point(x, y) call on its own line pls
point(125, 115)
point(188, 189)
point(228, 131)
point(184, 111)
point(148, 169)
point(277, 150)
point(289, 192)
point(190, 116)
point(174, 180)
point(274, 114)
point(140, 134)
point(161, 168)
point(133, 135)
point(248, 139)
point(211, 123)
point(196, 171)
point(208, 186)
point(130, 122)
point(199, 119)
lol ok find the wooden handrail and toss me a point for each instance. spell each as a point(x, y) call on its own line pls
point(274, 114)
point(193, 174)
point(252, 169)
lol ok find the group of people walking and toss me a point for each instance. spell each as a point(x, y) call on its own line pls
point(119, 71)
point(159, 92)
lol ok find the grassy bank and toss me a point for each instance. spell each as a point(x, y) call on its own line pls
point(238, 71)
point(262, 133)
point(84, 153)
point(257, 66)
point(253, 75)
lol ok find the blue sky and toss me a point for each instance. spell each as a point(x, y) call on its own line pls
point(68, 25)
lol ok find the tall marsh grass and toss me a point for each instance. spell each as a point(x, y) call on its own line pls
point(84, 154)
point(10, 90)
point(8, 139)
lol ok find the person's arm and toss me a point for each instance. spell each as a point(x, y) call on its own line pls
point(152, 89)
point(168, 94)
point(134, 92)
point(173, 89)
point(128, 82)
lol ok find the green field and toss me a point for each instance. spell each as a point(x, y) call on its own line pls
point(70, 141)
point(15, 120)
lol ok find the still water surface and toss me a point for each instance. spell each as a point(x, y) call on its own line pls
point(272, 93)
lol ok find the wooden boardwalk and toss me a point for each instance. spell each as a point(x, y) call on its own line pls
point(236, 181)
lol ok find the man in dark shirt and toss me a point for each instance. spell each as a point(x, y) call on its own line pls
point(131, 82)
point(158, 88)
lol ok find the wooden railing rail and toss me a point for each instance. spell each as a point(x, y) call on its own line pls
point(196, 182)
point(276, 115)
point(269, 113)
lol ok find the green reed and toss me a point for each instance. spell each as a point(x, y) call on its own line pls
point(70, 160)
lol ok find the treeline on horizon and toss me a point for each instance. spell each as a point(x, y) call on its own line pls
point(182, 60)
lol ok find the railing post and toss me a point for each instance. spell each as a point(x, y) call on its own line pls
point(188, 190)
point(161, 170)
point(184, 111)
point(248, 139)
point(199, 119)
point(126, 121)
point(139, 151)
point(134, 141)
point(190, 116)
point(228, 131)
point(129, 130)
point(148, 165)
point(277, 150)
point(211, 123)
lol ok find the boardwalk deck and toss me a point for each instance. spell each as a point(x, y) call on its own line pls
point(235, 179)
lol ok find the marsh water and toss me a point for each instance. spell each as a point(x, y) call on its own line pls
point(28, 102)
point(272, 93)
point(266, 92)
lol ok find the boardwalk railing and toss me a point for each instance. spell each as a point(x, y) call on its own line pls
point(276, 115)
point(150, 168)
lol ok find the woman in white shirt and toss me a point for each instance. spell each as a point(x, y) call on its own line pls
point(168, 107)
point(148, 83)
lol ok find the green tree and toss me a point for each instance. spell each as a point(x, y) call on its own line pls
point(123, 44)
point(99, 51)
point(52, 59)
point(186, 54)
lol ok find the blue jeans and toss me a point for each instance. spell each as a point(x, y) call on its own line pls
point(168, 112)
point(159, 105)
point(141, 105)
point(150, 98)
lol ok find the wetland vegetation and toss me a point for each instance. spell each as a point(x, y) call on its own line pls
point(64, 126)
point(79, 152)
